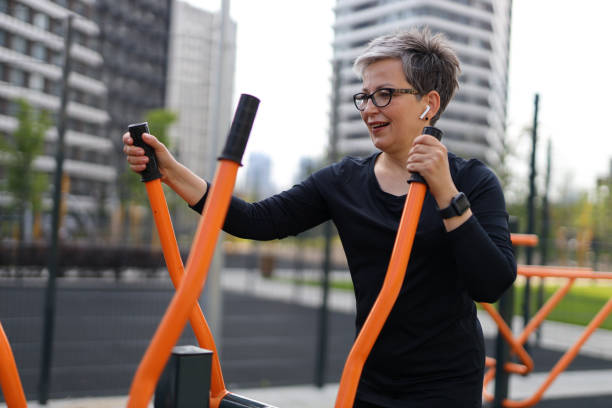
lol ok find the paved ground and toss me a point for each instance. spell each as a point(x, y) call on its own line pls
point(281, 321)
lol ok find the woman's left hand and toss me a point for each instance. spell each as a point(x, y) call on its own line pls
point(429, 158)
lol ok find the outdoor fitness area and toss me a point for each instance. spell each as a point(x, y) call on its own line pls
point(182, 376)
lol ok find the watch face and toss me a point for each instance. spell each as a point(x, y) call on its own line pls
point(460, 203)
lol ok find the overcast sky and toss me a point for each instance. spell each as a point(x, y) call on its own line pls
point(559, 48)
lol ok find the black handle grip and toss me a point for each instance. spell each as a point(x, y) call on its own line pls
point(151, 172)
point(236, 141)
point(435, 132)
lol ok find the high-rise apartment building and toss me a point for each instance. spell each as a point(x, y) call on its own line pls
point(31, 58)
point(193, 76)
point(133, 40)
point(478, 30)
point(134, 37)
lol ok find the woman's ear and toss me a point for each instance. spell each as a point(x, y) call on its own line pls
point(431, 99)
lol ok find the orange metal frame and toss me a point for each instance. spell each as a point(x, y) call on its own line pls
point(516, 344)
point(386, 298)
point(189, 289)
point(10, 383)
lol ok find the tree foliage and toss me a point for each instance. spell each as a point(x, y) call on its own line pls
point(23, 182)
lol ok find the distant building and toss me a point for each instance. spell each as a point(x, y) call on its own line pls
point(479, 31)
point(258, 180)
point(31, 59)
point(192, 78)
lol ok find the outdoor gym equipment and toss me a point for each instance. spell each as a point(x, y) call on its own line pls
point(516, 344)
point(184, 304)
point(199, 259)
point(200, 256)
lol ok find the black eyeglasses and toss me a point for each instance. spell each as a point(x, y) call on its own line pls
point(380, 97)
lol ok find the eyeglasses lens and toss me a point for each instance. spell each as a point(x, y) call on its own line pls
point(361, 100)
point(381, 98)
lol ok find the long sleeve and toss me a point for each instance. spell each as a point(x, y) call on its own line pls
point(481, 246)
point(287, 213)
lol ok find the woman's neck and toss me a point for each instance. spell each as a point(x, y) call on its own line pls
point(391, 173)
point(394, 163)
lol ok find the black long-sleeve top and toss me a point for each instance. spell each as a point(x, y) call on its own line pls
point(432, 338)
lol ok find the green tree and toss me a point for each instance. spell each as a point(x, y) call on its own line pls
point(160, 121)
point(602, 221)
point(23, 182)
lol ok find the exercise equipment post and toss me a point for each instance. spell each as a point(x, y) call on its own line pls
point(199, 260)
point(10, 383)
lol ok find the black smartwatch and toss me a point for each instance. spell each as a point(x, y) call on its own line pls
point(458, 205)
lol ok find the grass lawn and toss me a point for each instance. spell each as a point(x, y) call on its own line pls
point(579, 306)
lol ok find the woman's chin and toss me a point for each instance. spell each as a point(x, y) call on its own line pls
point(381, 143)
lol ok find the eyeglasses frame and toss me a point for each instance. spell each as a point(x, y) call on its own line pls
point(371, 96)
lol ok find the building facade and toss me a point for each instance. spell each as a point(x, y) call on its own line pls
point(31, 58)
point(193, 75)
point(478, 30)
point(134, 37)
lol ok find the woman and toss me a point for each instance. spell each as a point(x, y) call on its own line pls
point(430, 353)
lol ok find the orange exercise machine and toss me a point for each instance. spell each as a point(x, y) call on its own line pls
point(211, 222)
point(516, 344)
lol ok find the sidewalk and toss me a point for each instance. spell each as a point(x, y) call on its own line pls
point(569, 384)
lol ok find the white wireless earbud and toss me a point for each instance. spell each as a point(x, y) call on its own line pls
point(425, 112)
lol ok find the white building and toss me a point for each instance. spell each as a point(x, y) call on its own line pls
point(478, 30)
point(31, 59)
point(192, 76)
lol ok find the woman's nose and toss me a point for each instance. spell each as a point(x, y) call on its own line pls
point(369, 106)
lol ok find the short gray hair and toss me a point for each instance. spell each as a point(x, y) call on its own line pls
point(428, 60)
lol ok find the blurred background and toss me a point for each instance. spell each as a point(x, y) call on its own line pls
point(81, 269)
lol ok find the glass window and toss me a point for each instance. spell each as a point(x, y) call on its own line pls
point(3, 6)
point(57, 58)
point(39, 51)
point(20, 44)
point(41, 21)
point(57, 27)
point(3, 38)
point(37, 82)
point(22, 12)
point(17, 77)
point(12, 108)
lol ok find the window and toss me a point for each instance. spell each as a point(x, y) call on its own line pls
point(4, 6)
point(12, 108)
point(41, 21)
point(17, 77)
point(37, 82)
point(20, 44)
point(22, 12)
point(57, 58)
point(57, 27)
point(39, 51)
point(3, 38)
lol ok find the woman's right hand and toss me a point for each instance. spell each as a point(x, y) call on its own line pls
point(138, 160)
point(182, 180)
